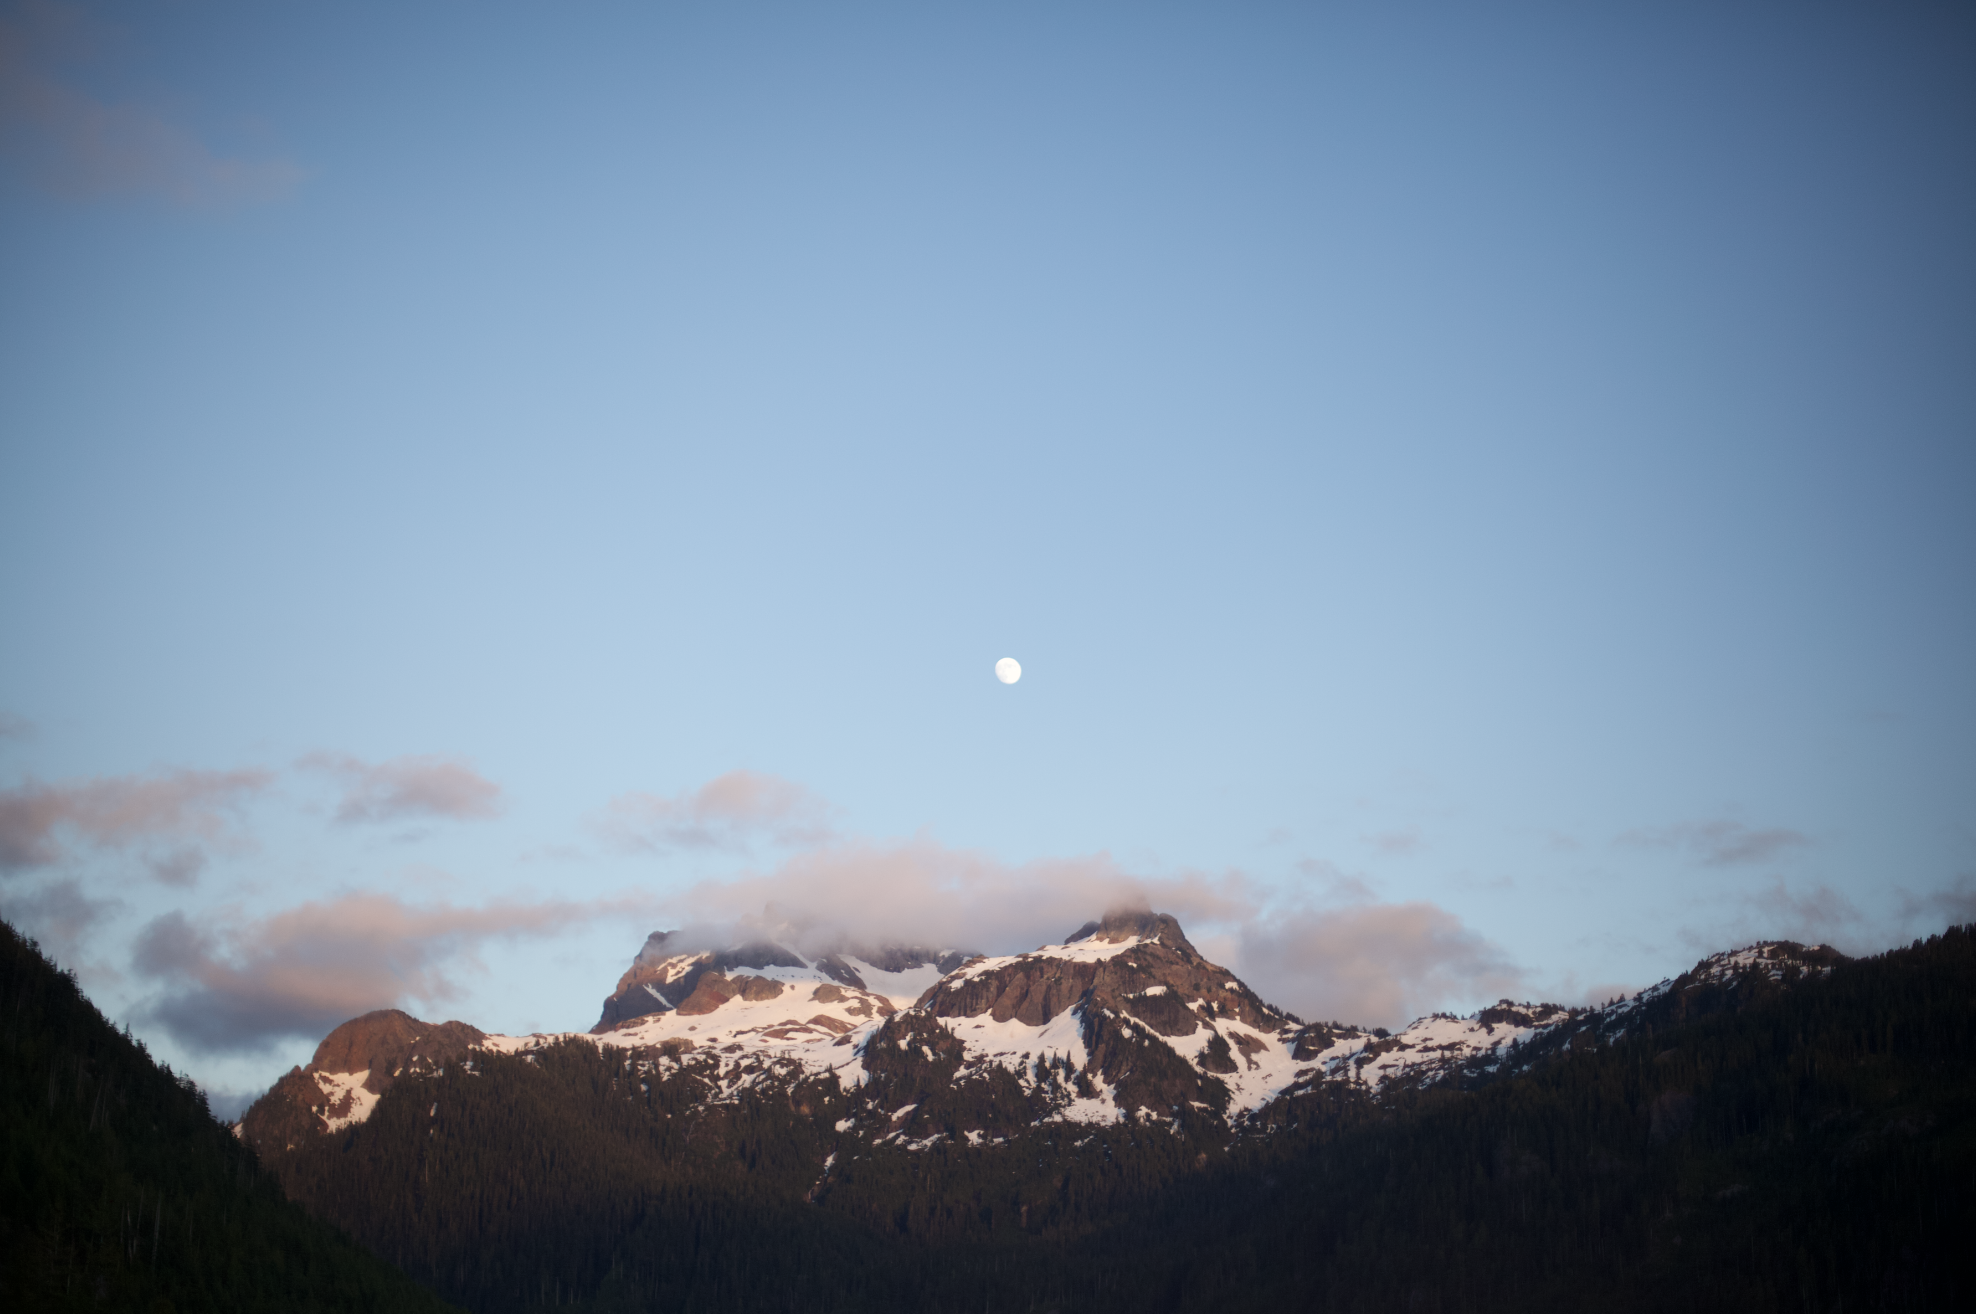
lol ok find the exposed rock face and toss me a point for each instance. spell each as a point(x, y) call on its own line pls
point(662, 978)
point(352, 1066)
point(712, 989)
point(1162, 980)
point(1124, 1019)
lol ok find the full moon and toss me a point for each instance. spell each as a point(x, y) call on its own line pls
point(1008, 670)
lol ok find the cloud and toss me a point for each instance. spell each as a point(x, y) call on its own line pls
point(15, 727)
point(58, 914)
point(1380, 963)
point(728, 812)
point(1334, 885)
point(408, 789)
point(1717, 843)
point(1598, 996)
point(922, 892)
point(1954, 905)
point(75, 145)
point(1359, 959)
point(229, 1105)
point(180, 867)
point(193, 810)
point(1820, 915)
point(1367, 961)
point(1397, 842)
point(244, 986)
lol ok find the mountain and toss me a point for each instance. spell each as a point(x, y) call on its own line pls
point(1124, 1021)
point(353, 1066)
point(1115, 1122)
point(119, 1190)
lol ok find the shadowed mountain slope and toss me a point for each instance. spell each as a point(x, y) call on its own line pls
point(119, 1190)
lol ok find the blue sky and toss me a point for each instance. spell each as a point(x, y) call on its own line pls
point(1481, 495)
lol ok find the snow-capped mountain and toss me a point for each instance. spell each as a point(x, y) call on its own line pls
point(1123, 1021)
point(741, 1015)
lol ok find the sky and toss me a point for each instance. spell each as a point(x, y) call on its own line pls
point(1481, 495)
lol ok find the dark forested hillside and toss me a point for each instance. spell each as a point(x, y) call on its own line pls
point(1759, 1148)
point(1805, 1144)
point(119, 1191)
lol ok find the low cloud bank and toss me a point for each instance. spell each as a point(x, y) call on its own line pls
point(1381, 964)
point(922, 892)
point(1369, 962)
point(245, 986)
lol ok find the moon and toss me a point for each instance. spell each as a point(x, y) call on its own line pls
point(1008, 670)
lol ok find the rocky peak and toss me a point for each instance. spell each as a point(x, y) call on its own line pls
point(1136, 962)
point(354, 1065)
point(387, 1039)
point(1126, 924)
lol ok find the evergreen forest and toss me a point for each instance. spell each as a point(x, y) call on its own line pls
point(120, 1191)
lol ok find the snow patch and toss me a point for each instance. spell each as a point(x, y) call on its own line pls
point(902, 988)
point(1084, 951)
point(336, 1087)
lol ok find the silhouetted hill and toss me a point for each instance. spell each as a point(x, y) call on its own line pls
point(119, 1191)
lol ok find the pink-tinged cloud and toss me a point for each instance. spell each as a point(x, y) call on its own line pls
point(243, 986)
point(74, 145)
point(922, 892)
point(1718, 843)
point(190, 811)
point(1366, 962)
point(412, 788)
point(729, 812)
point(1376, 963)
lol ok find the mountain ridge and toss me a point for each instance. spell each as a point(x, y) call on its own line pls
point(1124, 1020)
point(1778, 1127)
